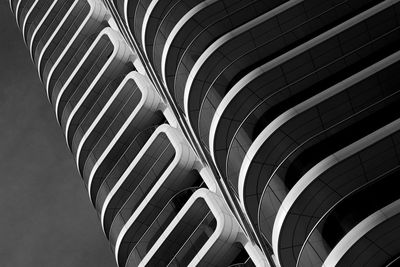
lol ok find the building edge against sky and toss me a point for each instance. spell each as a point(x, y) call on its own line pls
point(230, 133)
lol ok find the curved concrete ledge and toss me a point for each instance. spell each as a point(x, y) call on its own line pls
point(149, 10)
point(176, 29)
point(224, 235)
point(111, 37)
point(56, 31)
point(173, 178)
point(368, 225)
point(241, 84)
point(293, 116)
point(223, 40)
point(114, 66)
point(40, 24)
point(139, 118)
point(315, 233)
point(23, 9)
point(33, 18)
point(111, 101)
point(89, 25)
point(28, 14)
point(319, 169)
point(132, 16)
point(178, 160)
point(17, 11)
point(90, 21)
point(301, 108)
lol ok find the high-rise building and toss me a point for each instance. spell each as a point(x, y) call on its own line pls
point(230, 132)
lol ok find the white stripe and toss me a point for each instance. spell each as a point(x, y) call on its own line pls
point(105, 32)
point(226, 38)
point(17, 11)
point(175, 31)
point(96, 12)
point(145, 21)
point(315, 172)
point(360, 230)
point(270, 65)
point(99, 117)
point(33, 6)
point(38, 27)
point(145, 109)
point(117, 54)
point(49, 41)
point(226, 230)
point(336, 89)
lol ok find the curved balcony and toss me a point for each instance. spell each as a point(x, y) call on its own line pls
point(85, 18)
point(137, 246)
point(82, 126)
point(103, 110)
point(19, 6)
point(137, 172)
point(96, 57)
point(22, 10)
point(33, 18)
point(125, 122)
point(345, 215)
point(77, 106)
point(202, 234)
point(53, 17)
point(379, 233)
point(161, 176)
point(161, 168)
point(293, 77)
point(319, 127)
point(105, 184)
point(112, 116)
point(60, 36)
point(193, 34)
point(35, 6)
point(134, 11)
point(161, 18)
point(64, 68)
point(327, 182)
point(249, 46)
point(41, 24)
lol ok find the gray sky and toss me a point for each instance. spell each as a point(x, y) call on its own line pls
point(46, 218)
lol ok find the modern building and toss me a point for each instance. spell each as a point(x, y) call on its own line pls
point(230, 132)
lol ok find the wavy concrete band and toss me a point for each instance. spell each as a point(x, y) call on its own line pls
point(294, 103)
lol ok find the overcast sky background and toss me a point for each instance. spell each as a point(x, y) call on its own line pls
point(46, 218)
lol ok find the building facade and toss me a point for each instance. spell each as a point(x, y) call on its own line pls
point(229, 132)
